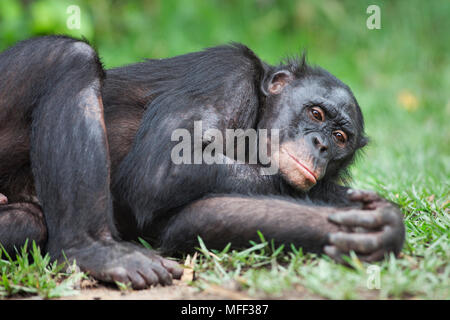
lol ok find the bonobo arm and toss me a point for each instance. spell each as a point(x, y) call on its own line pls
point(151, 183)
point(219, 220)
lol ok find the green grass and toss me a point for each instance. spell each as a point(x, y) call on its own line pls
point(399, 74)
point(288, 274)
point(31, 273)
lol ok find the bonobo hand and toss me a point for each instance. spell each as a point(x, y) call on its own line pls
point(124, 262)
point(371, 233)
point(3, 199)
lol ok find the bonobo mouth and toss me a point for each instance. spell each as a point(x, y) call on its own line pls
point(309, 174)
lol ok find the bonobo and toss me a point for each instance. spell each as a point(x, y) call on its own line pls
point(86, 159)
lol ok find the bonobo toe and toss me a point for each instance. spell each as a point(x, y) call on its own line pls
point(126, 263)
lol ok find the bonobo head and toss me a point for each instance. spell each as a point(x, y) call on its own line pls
point(320, 122)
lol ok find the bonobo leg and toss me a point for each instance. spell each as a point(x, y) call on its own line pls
point(70, 161)
point(19, 222)
point(219, 220)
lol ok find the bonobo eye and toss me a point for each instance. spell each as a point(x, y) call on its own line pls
point(317, 113)
point(340, 137)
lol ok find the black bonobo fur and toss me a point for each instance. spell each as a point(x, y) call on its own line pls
point(85, 159)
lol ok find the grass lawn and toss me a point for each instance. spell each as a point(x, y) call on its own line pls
point(401, 78)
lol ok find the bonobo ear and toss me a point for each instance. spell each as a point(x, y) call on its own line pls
point(276, 82)
point(363, 142)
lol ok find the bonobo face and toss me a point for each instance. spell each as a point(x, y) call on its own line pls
point(321, 127)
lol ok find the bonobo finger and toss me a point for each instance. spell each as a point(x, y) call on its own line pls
point(163, 275)
point(164, 268)
point(388, 236)
point(173, 267)
point(149, 276)
point(362, 195)
point(391, 215)
point(360, 243)
point(375, 256)
point(334, 253)
point(3, 199)
point(357, 218)
point(137, 280)
point(371, 205)
point(118, 274)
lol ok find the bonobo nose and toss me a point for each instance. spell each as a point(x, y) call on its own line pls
point(319, 143)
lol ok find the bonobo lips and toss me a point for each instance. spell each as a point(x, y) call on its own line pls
point(309, 174)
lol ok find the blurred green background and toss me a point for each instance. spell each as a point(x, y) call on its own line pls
point(400, 74)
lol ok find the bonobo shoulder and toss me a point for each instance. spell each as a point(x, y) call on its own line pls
point(239, 54)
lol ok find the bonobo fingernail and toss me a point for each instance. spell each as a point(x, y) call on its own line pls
point(334, 218)
point(330, 250)
point(331, 238)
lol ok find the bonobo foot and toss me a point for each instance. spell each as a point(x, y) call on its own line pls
point(112, 261)
point(371, 233)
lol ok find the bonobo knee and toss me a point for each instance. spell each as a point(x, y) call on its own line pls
point(83, 50)
point(61, 54)
point(77, 55)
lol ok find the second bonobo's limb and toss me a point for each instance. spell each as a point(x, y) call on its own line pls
point(19, 222)
point(219, 220)
point(70, 160)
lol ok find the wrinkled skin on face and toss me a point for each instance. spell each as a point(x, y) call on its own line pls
point(320, 126)
point(296, 165)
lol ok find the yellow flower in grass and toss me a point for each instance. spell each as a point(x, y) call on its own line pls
point(407, 100)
